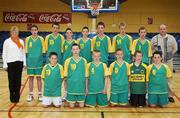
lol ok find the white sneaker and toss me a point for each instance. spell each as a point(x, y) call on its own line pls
point(40, 98)
point(30, 98)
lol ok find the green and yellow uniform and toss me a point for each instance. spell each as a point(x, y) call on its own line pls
point(103, 45)
point(54, 44)
point(85, 46)
point(119, 82)
point(52, 77)
point(75, 73)
point(96, 79)
point(34, 49)
point(138, 78)
point(123, 43)
point(145, 47)
point(157, 86)
point(67, 49)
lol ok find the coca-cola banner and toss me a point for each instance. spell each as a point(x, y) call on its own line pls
point(36, 17)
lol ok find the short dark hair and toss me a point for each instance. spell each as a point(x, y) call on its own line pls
point(55, 23)
point(119, 49)
point(68, 29)
point(34, 26)
point(137, 51)
point(75, 44)
point(158, 53)
point(85, 27)
point(100, 23)
point(142, 28)
point(53, 53)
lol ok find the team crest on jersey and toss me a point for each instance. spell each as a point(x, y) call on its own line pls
point(51, 42)
point(139, 47)
point(30, 44)
point(73, 66)
point(154, 72)
point(81, 46)
point(92, 70)
point(98, 43)
point(142, 71)
point(48, 72)
point(116, 70)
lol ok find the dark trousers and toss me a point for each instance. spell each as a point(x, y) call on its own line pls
point(14, 76)
point(138, 100)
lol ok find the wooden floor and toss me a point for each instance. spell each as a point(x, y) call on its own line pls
point(35, 109)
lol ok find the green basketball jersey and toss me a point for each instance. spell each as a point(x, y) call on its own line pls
point(119, 77)
point(67, 49)
point(96, 75)
point(54, 44)
point(123, 43)
point(85, 47)
point(144, 47)
point(75, 73)
point(103, 45)
point(158, 79)
point(52, 77)
point(138, 78)
point(34, 49)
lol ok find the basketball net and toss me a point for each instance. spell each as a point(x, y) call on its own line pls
point(95, 9)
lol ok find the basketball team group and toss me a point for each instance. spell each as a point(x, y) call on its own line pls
point(78, 73)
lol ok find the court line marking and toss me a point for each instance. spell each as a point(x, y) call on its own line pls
point(13, 105)
point(178, 98)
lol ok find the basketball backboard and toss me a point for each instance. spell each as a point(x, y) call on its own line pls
point(86, 5)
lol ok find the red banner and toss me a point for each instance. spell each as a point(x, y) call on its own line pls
point(36, 17)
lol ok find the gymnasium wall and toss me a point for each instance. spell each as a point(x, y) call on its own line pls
point(133, 12)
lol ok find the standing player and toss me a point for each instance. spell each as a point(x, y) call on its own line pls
point(124, 42)
point(34, 48)
point(137, 80)
point(68, 44)
point(52, 75)
point(158, 74)
point(75, 76)
point(96, 82)
point(119, 71)
point(102, 43)
point(54, 43)
point(143, 45)
point(85, 45)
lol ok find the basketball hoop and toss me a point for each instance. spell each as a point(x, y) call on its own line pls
point(95, 9)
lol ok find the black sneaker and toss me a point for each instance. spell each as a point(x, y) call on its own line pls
point(171, 99)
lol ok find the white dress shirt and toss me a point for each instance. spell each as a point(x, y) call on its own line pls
point(11, 52)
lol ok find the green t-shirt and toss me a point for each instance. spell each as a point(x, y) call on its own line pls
point(119, 77)
point(54, 44)
point(125, 44)
point(34, 49)
point(75, 73)
point(138, 78)
point(52, 77)
point(85, 49)
point(158, 79)
point(96, 75)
